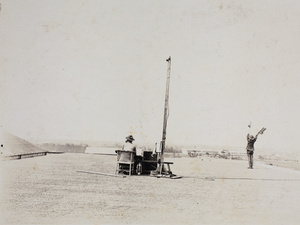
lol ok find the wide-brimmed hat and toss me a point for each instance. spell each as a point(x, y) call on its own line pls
point(130, 138)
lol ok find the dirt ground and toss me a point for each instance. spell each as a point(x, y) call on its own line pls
point(50, 190)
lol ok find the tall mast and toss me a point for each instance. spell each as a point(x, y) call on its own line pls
point(166, 110)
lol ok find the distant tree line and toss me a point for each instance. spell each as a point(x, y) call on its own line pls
point(71, 148)
point(173, 149)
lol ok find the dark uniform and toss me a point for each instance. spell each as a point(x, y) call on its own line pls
point(250, 149)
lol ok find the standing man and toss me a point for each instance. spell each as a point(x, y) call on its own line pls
point(250, 146)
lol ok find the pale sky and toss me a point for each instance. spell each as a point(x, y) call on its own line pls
point(96, 70)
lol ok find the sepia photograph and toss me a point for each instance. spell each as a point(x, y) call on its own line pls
point(149, 112)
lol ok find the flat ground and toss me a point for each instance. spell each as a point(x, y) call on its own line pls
point(49, 190)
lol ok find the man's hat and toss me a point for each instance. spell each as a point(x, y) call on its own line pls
point(130, 138)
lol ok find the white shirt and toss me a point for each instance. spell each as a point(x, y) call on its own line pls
point(128, 147)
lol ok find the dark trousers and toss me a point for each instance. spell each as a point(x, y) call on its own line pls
point(250, 158)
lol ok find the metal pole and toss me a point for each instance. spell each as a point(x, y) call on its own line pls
point(166, 112)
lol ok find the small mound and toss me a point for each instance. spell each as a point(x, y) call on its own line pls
point(12, 145)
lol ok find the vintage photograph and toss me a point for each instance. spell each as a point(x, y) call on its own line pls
point(149, 112)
